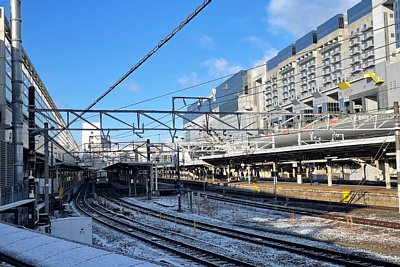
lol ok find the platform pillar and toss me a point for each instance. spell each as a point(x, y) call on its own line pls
point(229, 173)
point(329, 173)
point(248, 174)
point(387, 175)
point(308, 172)
point(294, 166)
point(362, 164)
point(377, 170)
point(273, 170)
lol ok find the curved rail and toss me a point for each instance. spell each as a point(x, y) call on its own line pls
point(121, 224)
point(298, 248)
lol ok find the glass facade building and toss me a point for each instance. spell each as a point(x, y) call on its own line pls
point(305, 41)
point(226, 97)
point(64, 143)
point(359, 10)
point(337, 22)
point(396, 9)
point(282, 55)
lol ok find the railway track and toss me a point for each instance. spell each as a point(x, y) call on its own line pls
point(142, 232)
point(298, 248)
point(320, 214)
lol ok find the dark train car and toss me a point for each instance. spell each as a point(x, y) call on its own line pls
point(101, 178)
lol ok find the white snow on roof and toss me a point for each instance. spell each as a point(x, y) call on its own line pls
point(43, 250)
point(15, 204)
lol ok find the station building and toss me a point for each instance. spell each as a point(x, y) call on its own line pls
point(357, 47)
point(65, 147)
point(347, 65)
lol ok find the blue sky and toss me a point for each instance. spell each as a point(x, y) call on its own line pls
point(80, 48)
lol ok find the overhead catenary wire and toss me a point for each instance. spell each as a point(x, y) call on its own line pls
point(226, 76)
point(260, 92)
point(141, 61)
point(254, 67)
point(247, 69)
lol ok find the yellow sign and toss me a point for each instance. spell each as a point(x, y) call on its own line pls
point(61, 191)
point(346, 195)
point(344, 85)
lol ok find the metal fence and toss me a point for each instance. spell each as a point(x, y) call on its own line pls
point(8, 191)
point(6, 165)
point(13, 193)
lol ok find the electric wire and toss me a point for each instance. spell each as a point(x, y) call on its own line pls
point(226, 76)
point(255, 87)
point(141, 61)
point(251, 68)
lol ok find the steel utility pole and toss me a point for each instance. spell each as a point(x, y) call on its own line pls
point(178, 173)
point(16, 103)
point(32, 158)
point(46, 168)
point(397, 140)
point(149, 174)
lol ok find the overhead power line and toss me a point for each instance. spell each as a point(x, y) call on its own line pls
point(143, 60)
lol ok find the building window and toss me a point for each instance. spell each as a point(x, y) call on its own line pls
point(333, 107)
point(246, 89)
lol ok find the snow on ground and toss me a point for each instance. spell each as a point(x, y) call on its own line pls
point(120, 243)
point(255, 254)
point(382, 242)
point(373, 241)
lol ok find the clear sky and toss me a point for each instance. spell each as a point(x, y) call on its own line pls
point(81, 47)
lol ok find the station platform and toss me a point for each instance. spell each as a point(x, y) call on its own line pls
point(30, 248)
point(363, 195)
point(16, 204)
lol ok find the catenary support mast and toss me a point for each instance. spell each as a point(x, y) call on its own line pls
point(17, 119)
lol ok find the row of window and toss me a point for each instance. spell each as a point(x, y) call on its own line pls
point(65, 138)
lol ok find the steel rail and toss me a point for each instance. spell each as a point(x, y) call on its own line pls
point(321, 214)
point(301, 249)
point(199, 255)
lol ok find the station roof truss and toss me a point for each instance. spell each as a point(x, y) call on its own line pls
point(139, 121)
point(300, 132)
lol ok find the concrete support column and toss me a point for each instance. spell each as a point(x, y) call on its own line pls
point(294, 166)
point(229, 173)
point(299, 139)
point(248, 174)
point(299, 177)
point(387, 175)
point(273, 170)
point(362, 164)
point(329, 173)
point(377, 170)
point(342, 171)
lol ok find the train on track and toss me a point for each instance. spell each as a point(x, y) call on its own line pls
point(101, 178)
